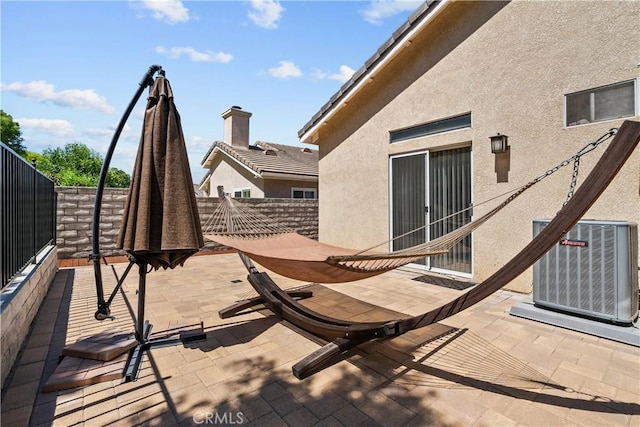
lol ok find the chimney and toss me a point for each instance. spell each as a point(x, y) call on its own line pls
point(236, 127)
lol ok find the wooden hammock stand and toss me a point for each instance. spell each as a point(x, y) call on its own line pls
point(345, 335)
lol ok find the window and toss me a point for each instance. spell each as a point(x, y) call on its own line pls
point(242, 193)
point(304, 193)
point(600, 104)
point(431, 128)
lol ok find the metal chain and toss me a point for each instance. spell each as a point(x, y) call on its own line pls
point(574, 179)
point(576, 160)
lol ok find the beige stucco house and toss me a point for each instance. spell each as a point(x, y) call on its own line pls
point(261, 170)
point(551, 76)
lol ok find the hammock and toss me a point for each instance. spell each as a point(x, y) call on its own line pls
point(282, 250)
point(345, 335)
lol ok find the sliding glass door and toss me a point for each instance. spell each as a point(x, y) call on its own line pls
point(408, 201)
point(429, 188)
point(450, 192)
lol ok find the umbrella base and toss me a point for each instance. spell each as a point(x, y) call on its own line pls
point(177, 331)
point(175, 334)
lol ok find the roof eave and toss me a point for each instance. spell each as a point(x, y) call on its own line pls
point(308, 134)
point(289, 176)
point(205, 180)
point(255, 173)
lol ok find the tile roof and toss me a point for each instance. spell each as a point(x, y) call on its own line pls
point(267, 157)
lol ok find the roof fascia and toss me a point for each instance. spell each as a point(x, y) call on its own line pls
point(205, 178)
point(208, 156)
point(289, 176)
point(310, 135)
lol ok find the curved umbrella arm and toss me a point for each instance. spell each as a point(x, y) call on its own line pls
point(103, 306)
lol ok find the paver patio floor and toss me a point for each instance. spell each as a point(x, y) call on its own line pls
point(480, 367)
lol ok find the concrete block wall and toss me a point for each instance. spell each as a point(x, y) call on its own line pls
point(75, 216)
point(75, 219)
point(21, 300)
point(298, 214)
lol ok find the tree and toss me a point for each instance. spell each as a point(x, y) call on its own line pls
point(117, 178)
point(76, 165)
point(10, 134)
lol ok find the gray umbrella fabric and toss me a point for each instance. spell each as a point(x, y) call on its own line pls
point(161, 225)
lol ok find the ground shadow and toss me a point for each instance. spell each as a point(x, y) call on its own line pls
point(454, 357)
point(47, 401)
point(378, 383)
point(462, 358)
point(339, 399)
point(445, 282)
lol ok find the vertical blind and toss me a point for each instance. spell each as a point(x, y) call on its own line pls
point(408, 200)
point(450, 192)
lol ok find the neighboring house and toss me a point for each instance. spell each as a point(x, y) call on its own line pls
point(261, 170)
point(550, 75)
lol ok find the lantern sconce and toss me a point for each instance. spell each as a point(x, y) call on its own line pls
point(499, 144)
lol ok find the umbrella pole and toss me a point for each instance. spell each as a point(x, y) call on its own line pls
point(103, 306)
point(143, 328)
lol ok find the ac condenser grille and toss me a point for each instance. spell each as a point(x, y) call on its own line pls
point(591, 271)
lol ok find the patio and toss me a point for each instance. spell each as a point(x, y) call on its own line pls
point(479, 367)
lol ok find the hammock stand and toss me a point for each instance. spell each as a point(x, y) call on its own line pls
point(344, 335)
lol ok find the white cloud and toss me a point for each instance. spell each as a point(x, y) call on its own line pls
point(266, 13)
point(317, 74)
point(379, 10)
point(108, 132)
point(343, 75)
point(102, 132)
point(286, 70)
point(169, 11)
point(194, 55)
point(42, 91)
point(60, 128)
point(198, 144)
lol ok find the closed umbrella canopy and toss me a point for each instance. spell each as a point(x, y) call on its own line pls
point(161, 225)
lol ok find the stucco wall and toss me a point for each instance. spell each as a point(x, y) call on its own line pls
point(278, 188)
point(510, 65)
point(233, 177)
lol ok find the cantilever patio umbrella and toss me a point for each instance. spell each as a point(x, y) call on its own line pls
point(161, 225)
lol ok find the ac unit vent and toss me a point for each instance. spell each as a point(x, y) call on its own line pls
point(592, 271)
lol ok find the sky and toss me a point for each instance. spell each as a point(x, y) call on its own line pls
point(69, 69)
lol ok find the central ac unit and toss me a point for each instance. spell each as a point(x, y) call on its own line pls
point(592, 271)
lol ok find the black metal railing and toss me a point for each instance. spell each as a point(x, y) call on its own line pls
point(27, 213)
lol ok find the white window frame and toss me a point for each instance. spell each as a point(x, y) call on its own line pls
point(304, 190)
point(430, 128)
point(241, 191)
point(592, 91)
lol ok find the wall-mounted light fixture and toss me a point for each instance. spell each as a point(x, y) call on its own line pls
point(499, 144)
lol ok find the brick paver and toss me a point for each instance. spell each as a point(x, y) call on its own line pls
point(481, 367)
